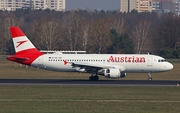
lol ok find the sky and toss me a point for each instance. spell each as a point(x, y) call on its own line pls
point(93, 4)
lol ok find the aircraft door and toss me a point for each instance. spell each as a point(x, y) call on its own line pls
point(149, 60)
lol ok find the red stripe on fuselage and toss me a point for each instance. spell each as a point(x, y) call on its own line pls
point(30, 55)
point(16, 32)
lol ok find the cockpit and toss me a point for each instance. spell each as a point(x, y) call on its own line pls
point(162, 60)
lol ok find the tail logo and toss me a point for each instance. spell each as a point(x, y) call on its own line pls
point(20, 43)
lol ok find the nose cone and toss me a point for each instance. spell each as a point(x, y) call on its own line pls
point(166, 67)
point(170, 66)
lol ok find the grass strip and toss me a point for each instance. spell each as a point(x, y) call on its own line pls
point(89, 99)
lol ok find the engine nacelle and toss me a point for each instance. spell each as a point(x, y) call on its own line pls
point(113, 73)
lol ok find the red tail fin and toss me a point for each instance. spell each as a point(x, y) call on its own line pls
point(23, 47)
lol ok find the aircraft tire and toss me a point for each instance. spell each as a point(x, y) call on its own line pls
point(96, 78)
point(150, 79)
point(93, 78)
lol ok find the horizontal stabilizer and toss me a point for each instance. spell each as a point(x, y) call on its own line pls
point(15, 58)
point(18, 58)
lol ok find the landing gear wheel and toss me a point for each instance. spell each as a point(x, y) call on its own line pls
point(149, 76)
point(150, 79)
point(91, 78)
point(94, 78)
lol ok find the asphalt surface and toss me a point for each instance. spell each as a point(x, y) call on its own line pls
point(87, 82)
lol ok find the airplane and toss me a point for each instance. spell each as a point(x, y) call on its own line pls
point(107, 65)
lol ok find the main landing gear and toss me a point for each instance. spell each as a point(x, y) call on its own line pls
point(149, 76)
point(94, 77)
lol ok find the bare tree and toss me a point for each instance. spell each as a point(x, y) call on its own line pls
point(71, 24)
point(47, 33)
point(101, 36)
point(140, 33)
point(85, 33)
point(7, 21)
point(168, 33)
point(118, 23)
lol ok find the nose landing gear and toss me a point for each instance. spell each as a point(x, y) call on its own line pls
point(149, 76)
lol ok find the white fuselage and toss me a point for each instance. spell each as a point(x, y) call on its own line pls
point(125, 62)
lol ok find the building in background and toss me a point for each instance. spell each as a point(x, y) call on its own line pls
point(163, 6)
point(143, 5)
point(177, 6)
point(12, 5)
point(139, 5)
point(160, 6)
point(156, 6)
point(127, 5)
point(166, 6)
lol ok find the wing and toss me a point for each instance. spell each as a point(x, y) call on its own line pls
point(91, 67)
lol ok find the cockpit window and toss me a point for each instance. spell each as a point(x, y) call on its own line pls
point(161, 60)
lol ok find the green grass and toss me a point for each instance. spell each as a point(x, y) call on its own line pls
point(174, 60)
point(89, 99)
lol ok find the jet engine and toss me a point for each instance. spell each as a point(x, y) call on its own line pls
point(112, 73)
